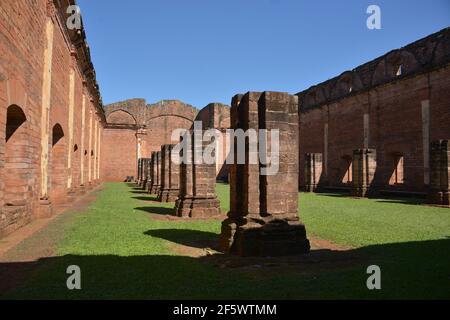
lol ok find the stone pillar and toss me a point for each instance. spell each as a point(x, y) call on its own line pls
point(170, 175)
point(197, 197)
point(139, 166)
point(364, 164)
point(83, 125)
point(313, 171)
point(148, 169)
point(147, 173)
point(440, 173)
point(152, 172)
point(263, 220)
point(144, 173)
point(156, 186)
point(45, 207)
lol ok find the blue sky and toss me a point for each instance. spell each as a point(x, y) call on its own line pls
point(202, 51)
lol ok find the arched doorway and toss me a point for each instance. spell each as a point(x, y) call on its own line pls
point(58, 173)
point(16, 170)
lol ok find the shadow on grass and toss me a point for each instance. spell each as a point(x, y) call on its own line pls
point(147, 198)
point(329, 194)
point(131, 184)
point(409, 270)
point(157, 210)
point(401, 200)
point(139, 192)
point(191, 238)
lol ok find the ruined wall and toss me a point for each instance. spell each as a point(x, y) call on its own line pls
point(46, 76)
point(119, 154)
point(136, 129)
point(217, 115)
point(395, 104)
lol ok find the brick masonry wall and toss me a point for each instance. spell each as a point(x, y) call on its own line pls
point(119, 154)
point(373, 107)
point(136, 129)
point(23, 42)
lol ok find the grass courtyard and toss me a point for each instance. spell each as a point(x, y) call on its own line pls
point(127, 248)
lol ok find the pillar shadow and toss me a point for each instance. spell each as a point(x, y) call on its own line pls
point(157, 210)
point(147, 198)
point(191, 238)
point(138, 192)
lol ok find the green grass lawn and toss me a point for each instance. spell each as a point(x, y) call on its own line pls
point(123, 253)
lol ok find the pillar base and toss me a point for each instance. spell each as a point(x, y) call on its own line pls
point(155, 189)
point(82, 190)
point(440, 198)
point(194, 207)
point(72, 195)
point(44, 209)
point(310, 188)
point(168, 195)
point(19, 217)
point(364, 192)
point(252, 237)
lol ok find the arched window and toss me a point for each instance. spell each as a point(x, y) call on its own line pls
point(57, 134)
point(16, 170)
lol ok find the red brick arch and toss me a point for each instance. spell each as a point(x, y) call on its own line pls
point(17, 170)
point(121, 117)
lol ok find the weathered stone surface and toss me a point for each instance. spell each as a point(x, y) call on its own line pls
point(364, 165)
point(263, 220)
point(197, 196)
point(47, 87)
point(139, 171)
point(440, 173)
point(373, 107)
point(217, 116)
point(312, 172)
point(135, 129)
point(145, 173)
point(156, 184)
point(170, 176)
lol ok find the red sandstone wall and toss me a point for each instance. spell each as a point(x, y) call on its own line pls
point(160, 130)
point(21, 51)
point(395, 114)
point(118, 154)
point(22, 44)
point(135, 127)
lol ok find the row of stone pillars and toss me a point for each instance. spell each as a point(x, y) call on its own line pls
point(263, 218)
point(364, 166)
point(190, 185)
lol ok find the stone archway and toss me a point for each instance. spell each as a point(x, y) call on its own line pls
point(16, 169)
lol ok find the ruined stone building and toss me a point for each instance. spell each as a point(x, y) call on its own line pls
point(395, 105)
point(384, 126)
point(135, 129)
